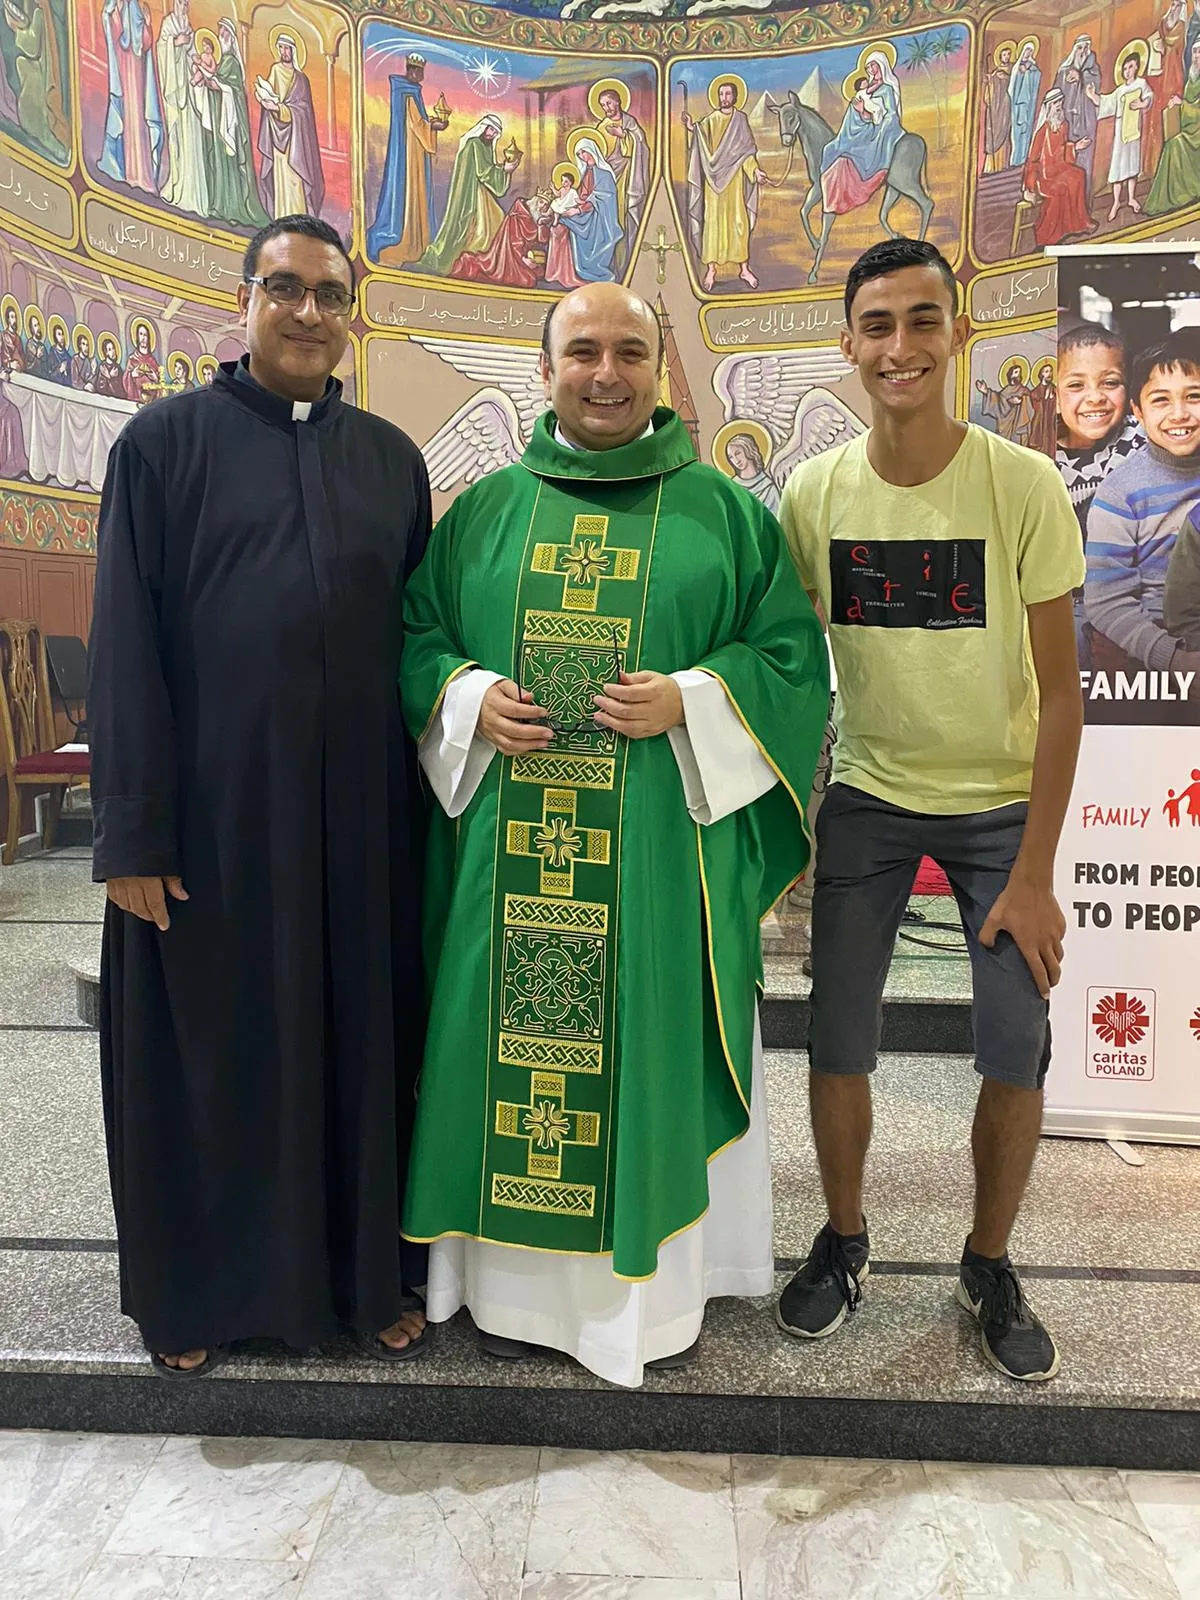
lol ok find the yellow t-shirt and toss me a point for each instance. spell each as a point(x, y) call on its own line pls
point(924, 591)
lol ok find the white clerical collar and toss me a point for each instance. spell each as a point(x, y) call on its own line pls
point(561, 438)
point(300, 410)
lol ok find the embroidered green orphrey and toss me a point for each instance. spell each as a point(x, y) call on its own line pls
point(592, 953)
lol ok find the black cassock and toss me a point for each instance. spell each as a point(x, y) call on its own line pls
point(259, 1059)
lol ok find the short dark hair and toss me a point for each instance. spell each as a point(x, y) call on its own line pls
point(549, 318)
point(309, 227)
point(1180, 352)
point(1090, 336)
point(894, 255)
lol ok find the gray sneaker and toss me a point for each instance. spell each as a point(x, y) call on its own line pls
point(1012, 1334)
point(827, 1287)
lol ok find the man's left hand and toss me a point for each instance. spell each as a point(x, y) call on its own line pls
point(1033, 917)
point(642, 705)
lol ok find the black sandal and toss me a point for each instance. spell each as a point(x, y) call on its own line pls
point(216, 1357)
point(372, 1345)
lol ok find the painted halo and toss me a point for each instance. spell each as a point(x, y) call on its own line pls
point(740, 425)
point(1020, 363)
point(204, 36)
point(7, 304)
point(598, 137)
point(135, 325)
point(1138, 48)
point(206, 363)
point(739, 90)
point(286, 31)
point(176, 356)
point(1006, 44)
point(81, 328)
point(1030, 38)
point(562, 170)
point(621, 90)
point(1036, 368)
point(53, 324)
point(30, 312)
point(882, 47)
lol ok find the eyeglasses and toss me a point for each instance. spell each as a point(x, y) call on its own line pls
point(331, 298)
point(557, 724)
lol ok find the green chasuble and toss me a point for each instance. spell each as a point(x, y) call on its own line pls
point(593, 953)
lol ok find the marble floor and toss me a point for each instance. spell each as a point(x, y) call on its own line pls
point(110, 1517)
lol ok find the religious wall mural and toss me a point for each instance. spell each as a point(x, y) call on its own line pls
point(850, 143)
point(504, 168)
point(35, 90)
point(1013, 392)
point(191, 111)
point(726, 158)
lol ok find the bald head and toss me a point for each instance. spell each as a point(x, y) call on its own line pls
point(597, 295)
point(601, 355)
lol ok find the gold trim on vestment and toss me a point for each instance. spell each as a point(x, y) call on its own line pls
point(467, 666)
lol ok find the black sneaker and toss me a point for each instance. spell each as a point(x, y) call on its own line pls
point(828, 1286)
point(1013, 1338)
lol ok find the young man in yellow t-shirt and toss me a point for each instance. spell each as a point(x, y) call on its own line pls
point(944, 560)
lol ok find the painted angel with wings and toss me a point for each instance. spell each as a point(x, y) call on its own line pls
point(781, 401)
point(492, 428)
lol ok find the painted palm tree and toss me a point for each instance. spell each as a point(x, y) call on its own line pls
point(919, 55)
point(946, 45)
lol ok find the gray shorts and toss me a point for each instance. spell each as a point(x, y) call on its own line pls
point(868, 853)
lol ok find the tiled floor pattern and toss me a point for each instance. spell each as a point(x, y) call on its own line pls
point(92, 1517)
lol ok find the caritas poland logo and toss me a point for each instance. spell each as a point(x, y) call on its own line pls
point(1120, 1041)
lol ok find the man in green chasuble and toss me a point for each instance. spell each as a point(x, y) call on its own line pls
point(620, 691)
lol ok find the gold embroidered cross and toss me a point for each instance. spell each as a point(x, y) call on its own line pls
point(547, 1125)
point(559, 842)
point(585, 561)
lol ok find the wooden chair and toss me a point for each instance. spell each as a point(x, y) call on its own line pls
point(1024, 218)
point(29, 762)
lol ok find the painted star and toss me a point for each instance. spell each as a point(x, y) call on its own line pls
point(484, 73)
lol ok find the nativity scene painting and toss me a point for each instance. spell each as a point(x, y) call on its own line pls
point(504, 169)
point(194, 112)
point(785, 167)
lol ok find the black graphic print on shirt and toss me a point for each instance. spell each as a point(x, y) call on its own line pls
point(908, 583)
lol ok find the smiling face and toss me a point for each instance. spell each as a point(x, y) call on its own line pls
point(294, 349)
point(903, 334)
point(1168, 408)
point(602, 378)
point(1092, 394)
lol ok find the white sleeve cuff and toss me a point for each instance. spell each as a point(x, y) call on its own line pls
point(452, 754)
point(721, 766)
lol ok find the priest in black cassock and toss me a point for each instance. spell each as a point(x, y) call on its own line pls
point(256, 823)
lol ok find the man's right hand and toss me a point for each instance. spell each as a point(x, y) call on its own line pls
point(509, 720)
point(146, 897)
